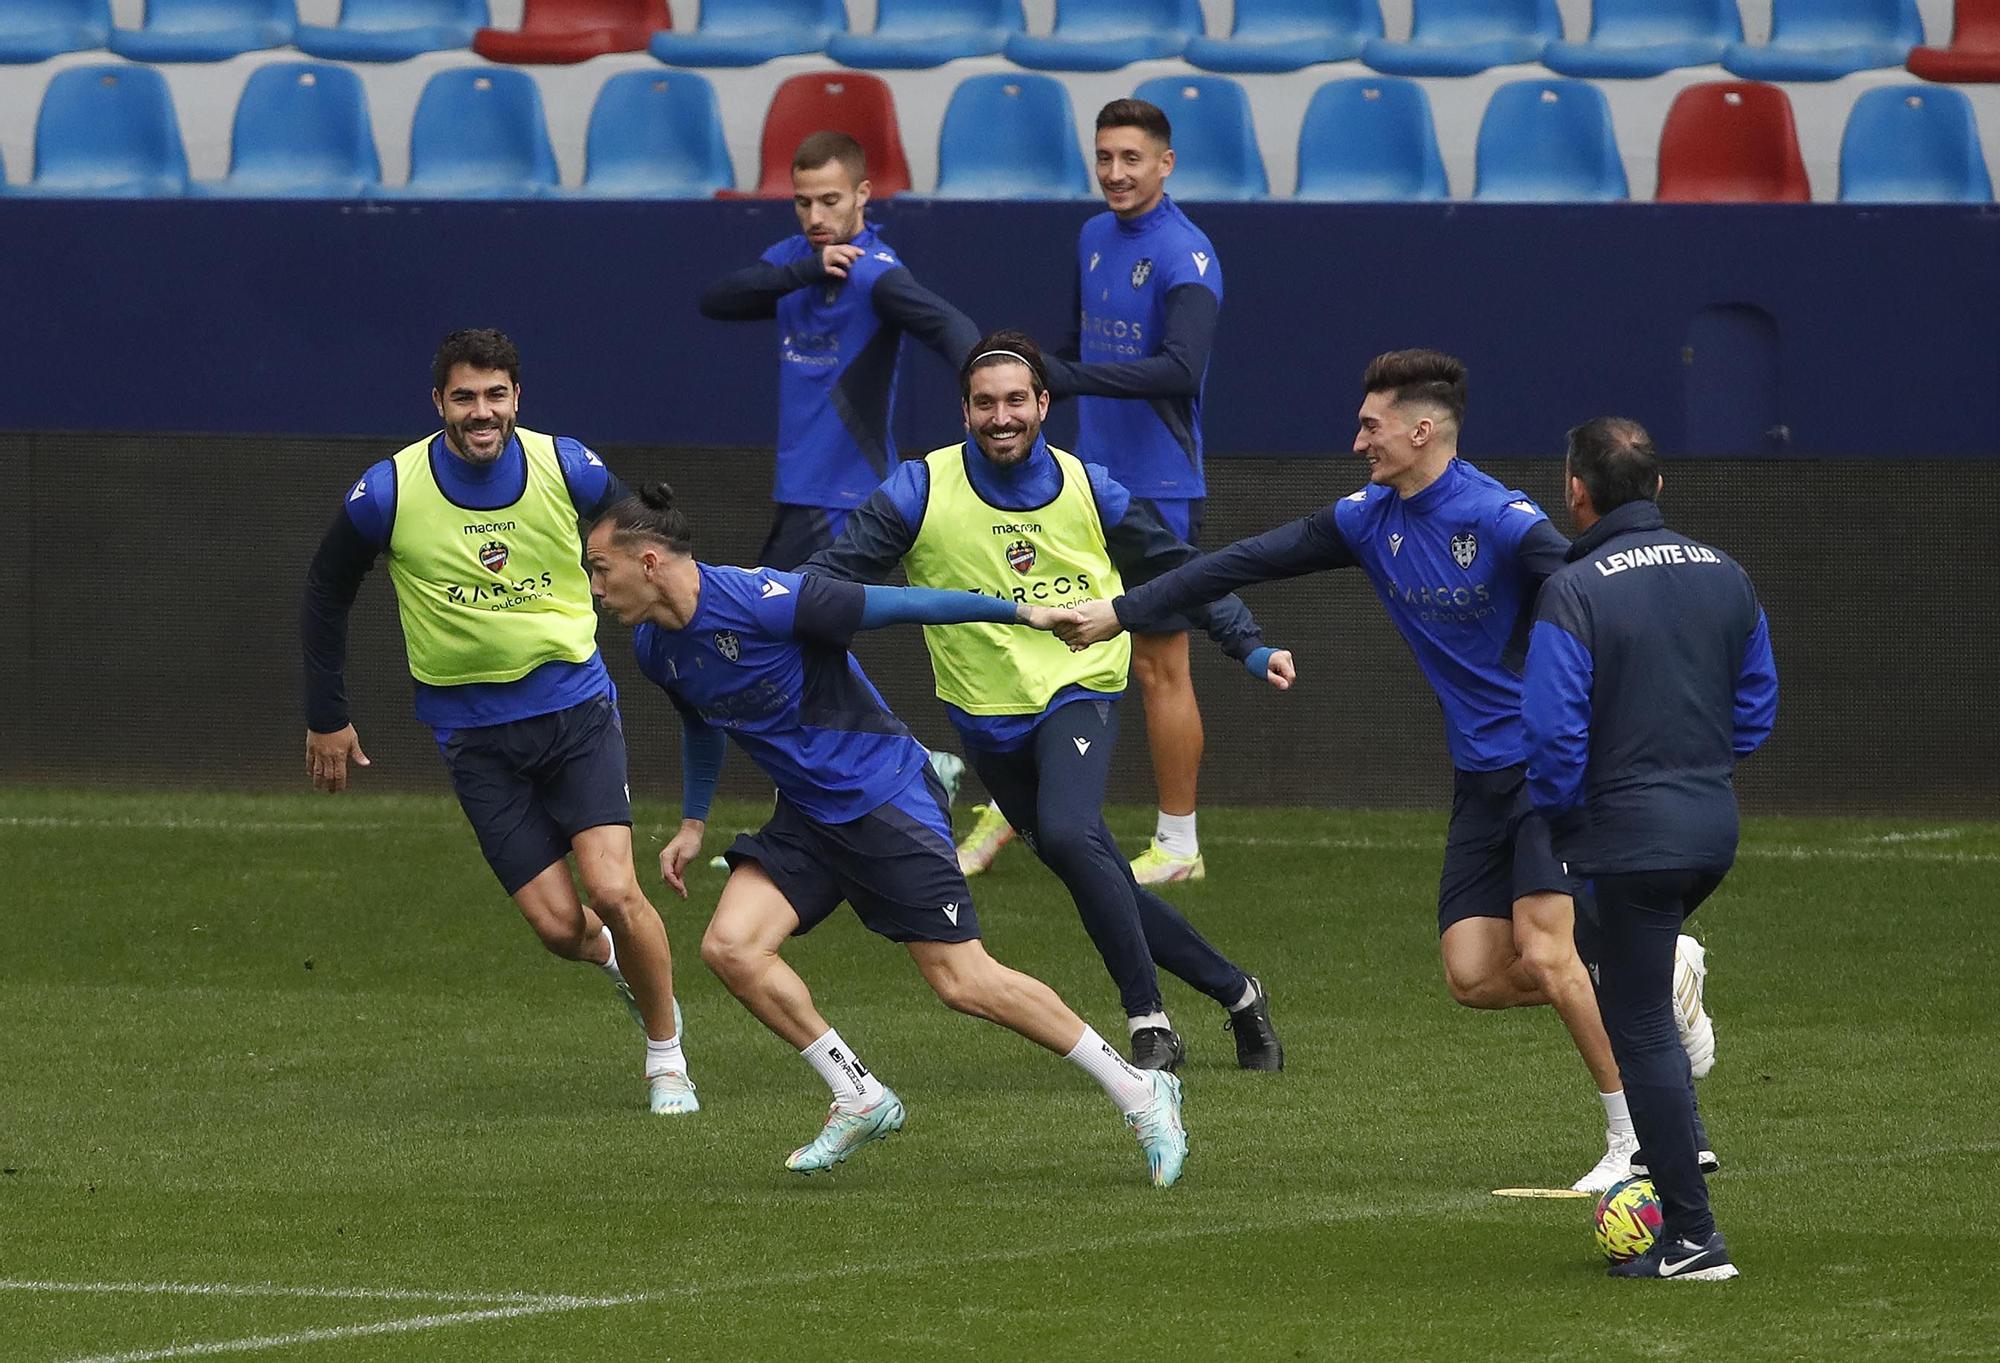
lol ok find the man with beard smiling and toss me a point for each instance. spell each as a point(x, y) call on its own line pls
point(1006, 515)
point(480, 523)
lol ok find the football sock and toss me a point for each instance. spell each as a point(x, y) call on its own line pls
point(853, 1085)
point(1617, 1117)
point(1176, 836)
point(609, 965)
point(664, 1057)
point(1138, 1022)
point(1249, 996)
point(1129, 1088)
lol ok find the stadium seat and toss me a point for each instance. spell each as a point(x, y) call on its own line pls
point(1913, 144)
point(109, 132)
point(393, 30)
point(1103, 35)
point(560, 31)
point(851, 102)
point(206, 30)
point(1010, 137)
point(914, 33)
point(1549, 141)
point(1826, 39)
point(1731, 142)
point(302, 132)
point(1370, 138)
point(1285, 35)
point(1974, 54)
point(35, 30)
point(656, 135)
point(1635, 38)
point(750, 32)
point(1463, 37)
point(479, 134)
point(1215, 141)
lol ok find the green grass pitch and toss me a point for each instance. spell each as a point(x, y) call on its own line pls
point(287, 1078)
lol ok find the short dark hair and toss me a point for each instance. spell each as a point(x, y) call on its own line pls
point(821, 147)
point(1136, 113)
point(1427, 376)
point(651, 514)
point(1004, 347)
point(1614, 459)
point(482, 348)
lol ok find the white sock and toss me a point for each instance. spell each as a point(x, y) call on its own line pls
point(664, 1057)
point(852, 1084)
point(1129, 1088)
point(610, 963)
point(1138, 1022)
point(1617, 1117)
point(1249, 996)
point(1175, 833)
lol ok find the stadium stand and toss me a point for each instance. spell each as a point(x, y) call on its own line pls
point(852, 102)
point(1285, 35)
point(1826, 39)
point(1010, 137)
point(479, 134)
point(562, 31)
point(206, 30)
point(1215, 138)
point(1910, 144)
point(1731, 142)
point(751, 32)
point(302, 131)
point(393, 30)
point(1464, 37)
point(1549, 141)
point(923, 33)
point(1103, 35)
point(35, 30)
point(1974, 54)
point(1630, 39)
point(109, 132)
point(1370, 138)
point(656, 135)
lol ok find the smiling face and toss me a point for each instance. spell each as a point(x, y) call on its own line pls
point(829, 203)
point(1132, 170)
point(478, 407)
point(1403, 444)
point(1004, 412)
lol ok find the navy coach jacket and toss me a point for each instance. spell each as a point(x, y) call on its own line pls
point(1649, 674)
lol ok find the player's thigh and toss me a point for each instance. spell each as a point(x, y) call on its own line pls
point(753, 916)
point(517, 835)
point(1073, 749)
point(789, 853)
point(1161, 660)
point(1545, 929)
point(581, 783)
point(898, 868)
point(1476, 951)
point(1477, 878)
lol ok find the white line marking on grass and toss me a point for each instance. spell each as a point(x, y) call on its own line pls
point(281, 1290)
point(1901, 852)
point(173, 822)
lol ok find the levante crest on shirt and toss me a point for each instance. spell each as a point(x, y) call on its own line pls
point(1020, 556)
point(1464, 549)
point(728, 645)
point(493, 556)
point(1142, 272)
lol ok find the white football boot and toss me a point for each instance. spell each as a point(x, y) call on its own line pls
point(1691, 1019)
point(1615, 1167)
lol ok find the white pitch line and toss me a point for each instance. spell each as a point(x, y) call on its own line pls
point(281, 1290)
point(1900, 852)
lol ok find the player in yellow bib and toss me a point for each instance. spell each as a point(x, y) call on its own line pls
point(1005, 514)
point(481, 526)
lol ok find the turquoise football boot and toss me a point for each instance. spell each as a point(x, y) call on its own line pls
point(1158, 1127)
point(845, 1132)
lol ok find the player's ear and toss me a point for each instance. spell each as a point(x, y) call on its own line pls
point(1659, 485)
point(437, 401)
point(1420, 434)
point(1167, 162)
point(861, 192)
point(1042, 405)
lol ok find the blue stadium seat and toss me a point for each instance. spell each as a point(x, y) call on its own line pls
point(1549, 141)
point(1370, 138)
point(1635, 38)
point(35, 30)
point(206, 30)
point(1285, 35)
point(1215, 140)
point(913, 33)
point(656, 135)
point(109, 132)
point(1103, 35)
point(302, 132)
point(479, 134)
point(1827, 39)
point(750, 32)
point(394, 30)
point(1463, 37)
point(1010, 137)
point(1913, 144)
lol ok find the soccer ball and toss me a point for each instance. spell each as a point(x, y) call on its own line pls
point(1628, 1219)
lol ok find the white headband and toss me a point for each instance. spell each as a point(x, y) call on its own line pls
point(1010, 354)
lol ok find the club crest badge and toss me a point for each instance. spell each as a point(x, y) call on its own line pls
point(493, 556)
point(1020, 556)
point(1142, 272)
point(728, 645)
point(1464, 549)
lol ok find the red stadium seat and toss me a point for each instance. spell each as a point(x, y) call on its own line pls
point(1732, 141)
point(574, 31)
point(1974, 54)
point(851, 102)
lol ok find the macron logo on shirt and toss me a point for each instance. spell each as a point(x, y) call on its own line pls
point(1201, 263)
point(772, 587)
point(360, 491)
point(1526, 508)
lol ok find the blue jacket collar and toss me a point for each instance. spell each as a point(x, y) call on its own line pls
point(1631, 517)
point(1033, 482)
point(1147, 221)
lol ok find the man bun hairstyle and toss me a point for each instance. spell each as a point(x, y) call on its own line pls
point(1429, 377)
point(480, 347)
point(1150, 119)
point(1614, 459)
point(820, 147)
point(651, 514)
point(1004, 347)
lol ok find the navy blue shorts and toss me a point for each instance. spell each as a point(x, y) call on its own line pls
point(1183, 517)
point(896, 865)
point(797, 533)
point(1497, 850)
point(531, 786)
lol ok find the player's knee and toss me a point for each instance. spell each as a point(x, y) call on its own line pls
point(617, 899)
point(1064, 846)
point(960, 986)
point(726, 954)
point(1547, 957)
point(562, 937)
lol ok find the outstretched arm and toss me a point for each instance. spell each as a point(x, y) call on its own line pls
point(879, 532)
point(1187, 336)
point(926, 316)
point(751, 294)
point(1144, 549)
